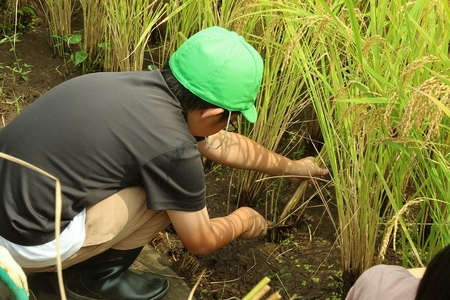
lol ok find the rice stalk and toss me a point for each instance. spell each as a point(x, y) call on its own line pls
point(431, 180)
point(58, 209)
point(356, 81)
point(94, 30)
point(392, 228)
point(186, 265)
point(281, 99)
point(183, 19)
point(58, 14)
point(128, 27)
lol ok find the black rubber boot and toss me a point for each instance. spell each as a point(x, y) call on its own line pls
point(106, 276)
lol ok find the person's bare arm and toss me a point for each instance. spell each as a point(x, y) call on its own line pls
point(417, 272)
point(202, 235)
point(241, 152)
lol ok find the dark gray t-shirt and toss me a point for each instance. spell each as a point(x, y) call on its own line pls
point(97, 133)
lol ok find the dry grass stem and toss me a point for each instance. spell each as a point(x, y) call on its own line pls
point(197, 283)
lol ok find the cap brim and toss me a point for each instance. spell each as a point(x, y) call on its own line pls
point(250, 114)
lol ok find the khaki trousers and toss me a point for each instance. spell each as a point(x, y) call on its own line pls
point(121, 221)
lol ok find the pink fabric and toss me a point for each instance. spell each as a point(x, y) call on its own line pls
point(384, 282)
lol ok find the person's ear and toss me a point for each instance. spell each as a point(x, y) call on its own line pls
point(212, 112)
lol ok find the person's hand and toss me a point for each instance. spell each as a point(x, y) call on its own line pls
point(257, 223)
point(306, 168)
point(202, 235)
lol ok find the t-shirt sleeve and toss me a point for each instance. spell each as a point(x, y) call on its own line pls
point(384, 282)
point(175, 180)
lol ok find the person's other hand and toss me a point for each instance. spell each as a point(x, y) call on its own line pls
point(258, 225)
point(306, 168)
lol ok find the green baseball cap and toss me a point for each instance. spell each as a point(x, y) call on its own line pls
point(221, 68)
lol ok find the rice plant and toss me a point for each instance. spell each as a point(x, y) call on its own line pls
point(128, 26)
point(17, 16)
point(363, 60)
point(58, 14)
point(272, 29)
point(427, 112)
point(93, 34)
point(181, 20)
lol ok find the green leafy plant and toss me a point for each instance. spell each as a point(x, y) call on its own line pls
point(17, 68)
point(67, 42)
